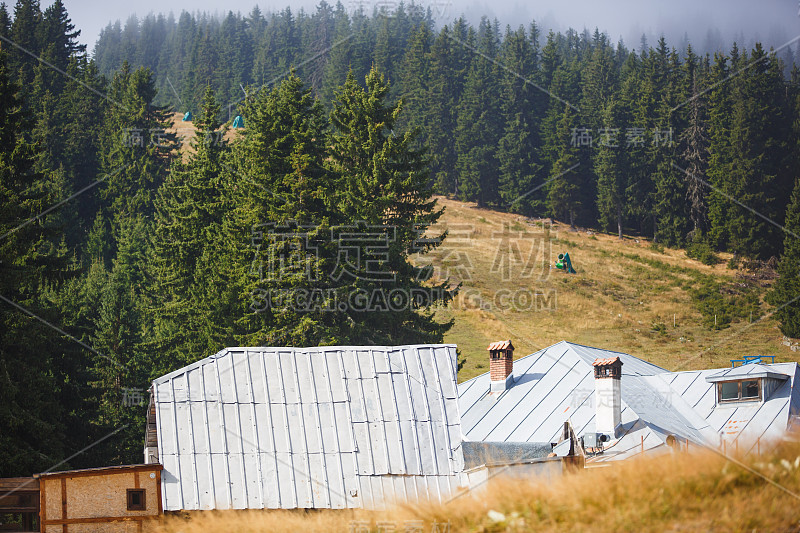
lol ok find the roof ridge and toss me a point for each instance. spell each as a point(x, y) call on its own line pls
point(305, 350)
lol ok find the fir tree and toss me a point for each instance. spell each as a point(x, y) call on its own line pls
point(564, 195)
point(694, 141)
point(611, 169)
point(479, 126)
point(720, 152)
point(785, 294)
point(5, 21)
point(373, 162)
point(758, 134)
point(27, 38)
point(59, 32)
point(31, 266)
point(516, 151)
point(286, 213)
point(415, 79)
point(449, 64)
point(189, 211)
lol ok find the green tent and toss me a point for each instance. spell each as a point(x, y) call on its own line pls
point(187, 117)
point(564, 263)
point(238, 122)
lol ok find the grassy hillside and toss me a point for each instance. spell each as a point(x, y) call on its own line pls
point(627, 295)
point(680, 492)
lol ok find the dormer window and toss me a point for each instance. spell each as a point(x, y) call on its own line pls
point(745, 390)
point(746, 383)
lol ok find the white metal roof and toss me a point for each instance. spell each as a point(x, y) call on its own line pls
point(556, 384)
point(752, 370)
point(327, 427)
point(743, 425)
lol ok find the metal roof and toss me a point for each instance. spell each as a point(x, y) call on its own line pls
point(328, 427)
point(743, 425)
point(556, 384)
point(503, 453)
point(747, 371)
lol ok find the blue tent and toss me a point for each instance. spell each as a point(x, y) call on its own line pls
point(187, 117)
point(238, 122)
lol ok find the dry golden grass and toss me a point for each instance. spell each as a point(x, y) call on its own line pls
point(681, 492)
point(621, 290)
point(185, 132)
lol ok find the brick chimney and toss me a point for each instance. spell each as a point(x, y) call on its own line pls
point(607, 395)
point(501, 365)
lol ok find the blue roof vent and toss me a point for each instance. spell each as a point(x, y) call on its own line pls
point(752, 360)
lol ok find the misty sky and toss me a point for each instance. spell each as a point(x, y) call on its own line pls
point(771, 21)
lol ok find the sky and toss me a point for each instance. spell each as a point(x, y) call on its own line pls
point(774, 22)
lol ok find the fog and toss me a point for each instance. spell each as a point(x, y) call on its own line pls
point(708, 24)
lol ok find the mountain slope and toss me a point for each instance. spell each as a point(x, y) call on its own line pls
point(627, 295)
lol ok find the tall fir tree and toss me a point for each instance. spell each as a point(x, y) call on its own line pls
point(372, 161)
point(27, 39)
point(450, 61)
point(189, 209)
point(611, 169)
point(785, 294)
point(517, 148)
point(758, 134)
point(32, 415)
point(287, 215)
point(720, 151)
point(479, 126)
point(563, 193)
point(694, 144)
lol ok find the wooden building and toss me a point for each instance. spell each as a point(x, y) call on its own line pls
point(112, 499)
point(19, 504)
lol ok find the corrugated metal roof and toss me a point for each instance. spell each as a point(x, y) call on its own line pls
point(328, 427)
point(556, 384)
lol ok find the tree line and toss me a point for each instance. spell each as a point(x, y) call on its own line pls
point(124, 256)
point(655, 141)
point(692, 150)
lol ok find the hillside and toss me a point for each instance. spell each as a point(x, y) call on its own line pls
point(629, 296)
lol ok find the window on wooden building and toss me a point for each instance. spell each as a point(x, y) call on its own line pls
point(136, 499)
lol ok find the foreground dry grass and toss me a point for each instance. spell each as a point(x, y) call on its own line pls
point(697, 492)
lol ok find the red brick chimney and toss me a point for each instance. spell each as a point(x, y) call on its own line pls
point(501, 365)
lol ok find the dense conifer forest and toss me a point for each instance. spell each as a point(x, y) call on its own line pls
point(123, 258)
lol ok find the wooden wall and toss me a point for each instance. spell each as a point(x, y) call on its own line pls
point(95, 500)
